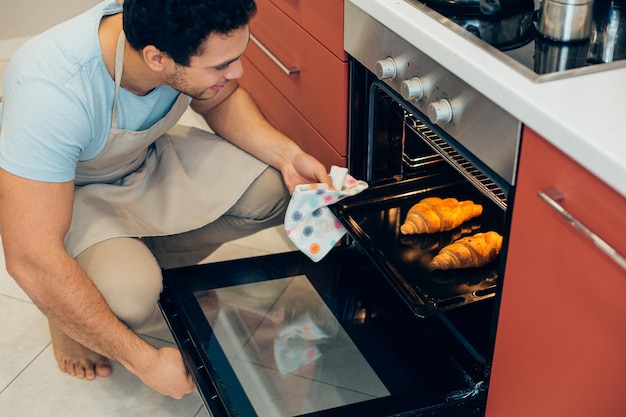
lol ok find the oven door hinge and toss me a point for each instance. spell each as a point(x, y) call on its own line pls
point(470, 392)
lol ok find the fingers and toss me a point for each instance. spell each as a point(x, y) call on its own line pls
point(305, 169)
point(191, 384)
point(168, 374)
point(187, 387)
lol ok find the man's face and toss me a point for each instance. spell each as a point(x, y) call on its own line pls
point(207, 73)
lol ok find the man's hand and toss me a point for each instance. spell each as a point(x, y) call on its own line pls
point(304, 169)
point(165, 372)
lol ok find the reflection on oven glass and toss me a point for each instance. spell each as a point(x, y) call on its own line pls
point(288, 350)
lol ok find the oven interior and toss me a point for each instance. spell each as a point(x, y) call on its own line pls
point(404, 161)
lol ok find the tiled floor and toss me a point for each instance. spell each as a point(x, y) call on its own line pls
point(31, 385)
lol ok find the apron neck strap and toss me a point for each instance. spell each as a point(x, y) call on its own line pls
point(119, 67)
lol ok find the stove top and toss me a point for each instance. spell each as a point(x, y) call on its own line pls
point(512, 37)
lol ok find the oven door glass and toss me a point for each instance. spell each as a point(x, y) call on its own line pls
point(282, 336)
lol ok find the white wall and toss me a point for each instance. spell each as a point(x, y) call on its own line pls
point(21, 19)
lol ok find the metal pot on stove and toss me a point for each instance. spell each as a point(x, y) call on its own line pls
point(552, 56)
point(565, 20)
point(606, 43)
point(504, 33)
point(485, 7)
point(608, 32)
point(504, 24)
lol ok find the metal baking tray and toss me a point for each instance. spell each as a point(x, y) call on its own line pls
point(373, 220)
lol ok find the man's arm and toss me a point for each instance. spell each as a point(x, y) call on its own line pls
point(235, 116)
point(34, 218)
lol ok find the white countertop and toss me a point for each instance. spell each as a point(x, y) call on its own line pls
point(584, 116)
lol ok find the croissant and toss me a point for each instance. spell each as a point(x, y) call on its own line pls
point(469, 252)
point(434, 214)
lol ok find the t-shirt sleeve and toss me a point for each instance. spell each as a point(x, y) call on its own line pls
point(44, 130)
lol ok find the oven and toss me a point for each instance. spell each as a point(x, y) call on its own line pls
point(418, 131)
point(371, 329)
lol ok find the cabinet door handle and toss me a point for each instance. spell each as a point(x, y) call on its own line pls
point(552, 197)
point(287, 70)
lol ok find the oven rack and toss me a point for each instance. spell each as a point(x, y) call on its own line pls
point(484, 183)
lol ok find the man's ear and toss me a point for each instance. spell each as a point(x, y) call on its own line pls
point(155, 59)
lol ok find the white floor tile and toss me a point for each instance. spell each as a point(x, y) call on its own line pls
point(233, 251)
point(24, 335)
point(203, 412)
point(42, 390)
point(272, 240)
point(267, 241)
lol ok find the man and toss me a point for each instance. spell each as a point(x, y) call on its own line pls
point(98, 192)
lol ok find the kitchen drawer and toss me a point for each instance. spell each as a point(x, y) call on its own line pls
point(286, 118)
point(319, 90)
point(321, 18)
point(585, 196)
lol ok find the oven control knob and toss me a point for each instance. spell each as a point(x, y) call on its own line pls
point(412, 89)
point(440, 111)
point(386, 69)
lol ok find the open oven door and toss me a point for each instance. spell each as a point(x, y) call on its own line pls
point(282, 336)
point(279, 335)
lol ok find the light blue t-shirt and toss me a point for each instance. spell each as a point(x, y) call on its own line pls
point(58, 101)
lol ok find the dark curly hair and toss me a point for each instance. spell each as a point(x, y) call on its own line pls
point(178, 27)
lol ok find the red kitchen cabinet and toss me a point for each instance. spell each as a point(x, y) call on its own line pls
point(561, 339)
point(307, 99)
point(322, 18)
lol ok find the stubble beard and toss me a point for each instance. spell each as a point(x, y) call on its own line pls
point(177, 81)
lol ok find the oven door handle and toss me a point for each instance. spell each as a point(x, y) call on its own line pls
point(287, 70)
point(552, 197)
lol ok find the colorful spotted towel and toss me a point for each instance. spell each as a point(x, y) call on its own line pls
point(309, 223)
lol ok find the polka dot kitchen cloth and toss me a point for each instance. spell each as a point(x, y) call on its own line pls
point(309, 223)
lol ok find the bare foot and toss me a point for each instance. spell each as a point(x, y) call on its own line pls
point(75, 359)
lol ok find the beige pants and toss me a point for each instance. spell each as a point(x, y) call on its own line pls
point(127, 271)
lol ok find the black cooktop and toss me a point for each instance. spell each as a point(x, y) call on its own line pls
point(512, 32)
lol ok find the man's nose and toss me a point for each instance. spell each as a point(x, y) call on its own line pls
point(235, 70)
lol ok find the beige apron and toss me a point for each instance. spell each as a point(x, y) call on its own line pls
point(161, 181)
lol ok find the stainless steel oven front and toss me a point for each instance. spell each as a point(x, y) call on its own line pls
point(469, 121)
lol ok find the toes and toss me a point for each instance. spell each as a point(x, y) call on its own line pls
point(99, 368)
point(103, 368)
point(62, 366)
point(69, 367)
point(79, 370)
point(88, 370)
point(89, 373)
